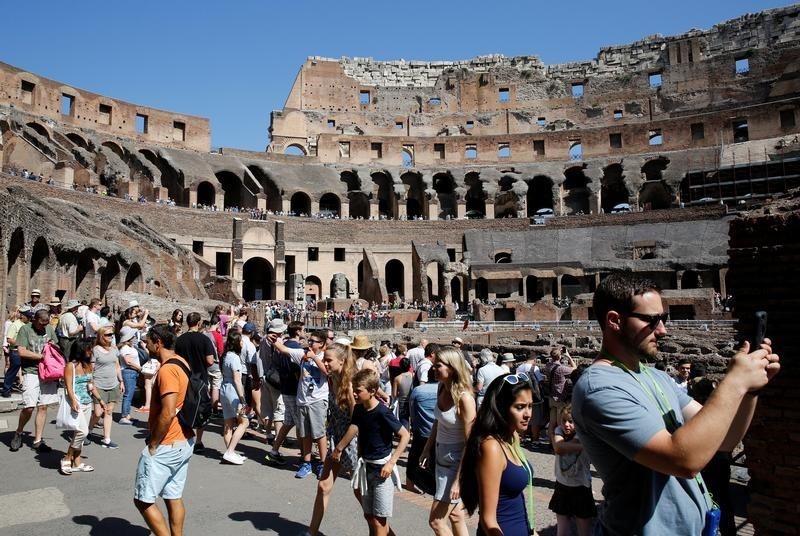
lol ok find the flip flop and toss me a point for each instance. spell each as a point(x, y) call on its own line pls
point(82, 468)
point(66, 467)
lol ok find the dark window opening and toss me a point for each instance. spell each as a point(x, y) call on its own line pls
point(435, 101)
point(787, 118)
point(451, 254)
point(538, 147)
point(698, 131)
point(223, 264)
point(541, 121)
point(740, 131)
point(331, 123)
point(105, 112)
point(313, 254)
point(27, 91)
point(438, 151)
point(470, 124)
point(197, 247)
point(617, 114)
point(377, 150)
point(615, 140)
point(338, 254)
point(398, 124)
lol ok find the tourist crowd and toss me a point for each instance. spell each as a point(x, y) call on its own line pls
point(464, 416)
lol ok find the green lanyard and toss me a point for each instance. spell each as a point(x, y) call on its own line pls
point(667, 413)
point(516, 450)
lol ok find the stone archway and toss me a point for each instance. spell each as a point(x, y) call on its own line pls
point(133, 279)
point(540, 194)
point(16, 275)
point(85, 275)
point(416, 199)
point(271, 190)
point(300, 204)
point(206, 194)
point(109, 277)
point(258, 278)
point(613, 190)
point(445, 186)
point(330, 205)
point(576, 191)
point(40, 263)
point(395, 277)
point(387, 199)
point(475, 197)
point(359, 205)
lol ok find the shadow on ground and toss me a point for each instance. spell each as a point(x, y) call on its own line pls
point(110, 525)
point(268, 521)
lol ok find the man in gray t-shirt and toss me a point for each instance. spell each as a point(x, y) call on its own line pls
point(646, 438)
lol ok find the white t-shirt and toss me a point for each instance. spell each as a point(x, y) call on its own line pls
point(487, 374)
point(248, 355)
point(313, 384)
point(130, 352)
point(88, 319)
point(415, 356)
point(422, 370)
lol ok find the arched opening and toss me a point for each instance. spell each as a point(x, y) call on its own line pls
point(445, 187)
point(330, 205)
point(351, 180)
point(40, 129)
point(171, 178)
point(14, 262)
point(85, 275)
point(271, 190)
point(506, 203)
point(430, 286)
point(313, 288)
point(654, 169)
point(475, 197)
point(258, 279)
point(407, 155)
point(116, 149)
point(109, 277)
point(77, 140)
point(300, 204)
point(359, 205)
point(576, 191)
point(206, 194)
point(295, 149)
point(334, 286)
point(235, 194)
point(455, 292)
point(655, 195)
point(360, 274)
point(387, 200)
point(540, 194)
point(502, 257)
point(570, 286)
point(39, 255)
point(395, 277)
point(482, 289)
point(416, 200)
point(533, 289)
point(613, 190)
point(133, 279)
point(690, 280)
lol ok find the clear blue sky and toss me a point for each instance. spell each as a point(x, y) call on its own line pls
point(235, 61)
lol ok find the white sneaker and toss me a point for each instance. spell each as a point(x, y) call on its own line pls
point(232, 457)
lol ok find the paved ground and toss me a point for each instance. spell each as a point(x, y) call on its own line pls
point(220, 498)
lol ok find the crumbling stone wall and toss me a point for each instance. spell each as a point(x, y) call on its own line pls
point(764, 252)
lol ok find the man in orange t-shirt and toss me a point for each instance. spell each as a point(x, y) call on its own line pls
point(164, 462)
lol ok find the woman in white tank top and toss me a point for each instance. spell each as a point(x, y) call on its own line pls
point(454, 416)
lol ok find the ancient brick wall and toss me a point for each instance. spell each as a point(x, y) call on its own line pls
point(46, 98)
point(764, 255)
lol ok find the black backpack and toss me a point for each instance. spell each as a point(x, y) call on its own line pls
point(196, 409)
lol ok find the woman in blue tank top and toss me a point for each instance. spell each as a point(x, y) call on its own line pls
point(497, 487)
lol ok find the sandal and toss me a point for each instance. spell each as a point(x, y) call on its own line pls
point(66, 467)
point(82, 468)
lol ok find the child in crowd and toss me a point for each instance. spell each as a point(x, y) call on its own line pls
point(573, 493)
point(376, 471)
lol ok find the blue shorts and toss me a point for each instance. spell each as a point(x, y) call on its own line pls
point(164, 473)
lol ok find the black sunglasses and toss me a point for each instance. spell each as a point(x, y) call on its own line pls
point(652, 320)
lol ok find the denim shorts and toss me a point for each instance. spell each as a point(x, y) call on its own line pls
point(164, 473)
point(448, 456)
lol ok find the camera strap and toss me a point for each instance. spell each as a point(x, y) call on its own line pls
point(667, 413)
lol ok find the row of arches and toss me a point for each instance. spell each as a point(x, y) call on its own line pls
point(86, 276)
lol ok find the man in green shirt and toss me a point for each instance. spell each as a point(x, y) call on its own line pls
point(31, 341)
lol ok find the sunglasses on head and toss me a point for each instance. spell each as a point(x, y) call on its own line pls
point(514, 379)
point(652, 320)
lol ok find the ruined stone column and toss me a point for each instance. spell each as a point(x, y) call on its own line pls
point(219, 200)
point(287, 205)
point(374, 208)
point(192, 198)
point(461, 209)
point(402, 209)
point(489, 210)
point(63, 175)
point(314, 207)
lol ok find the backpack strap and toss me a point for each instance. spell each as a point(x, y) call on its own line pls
point(180, 364)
